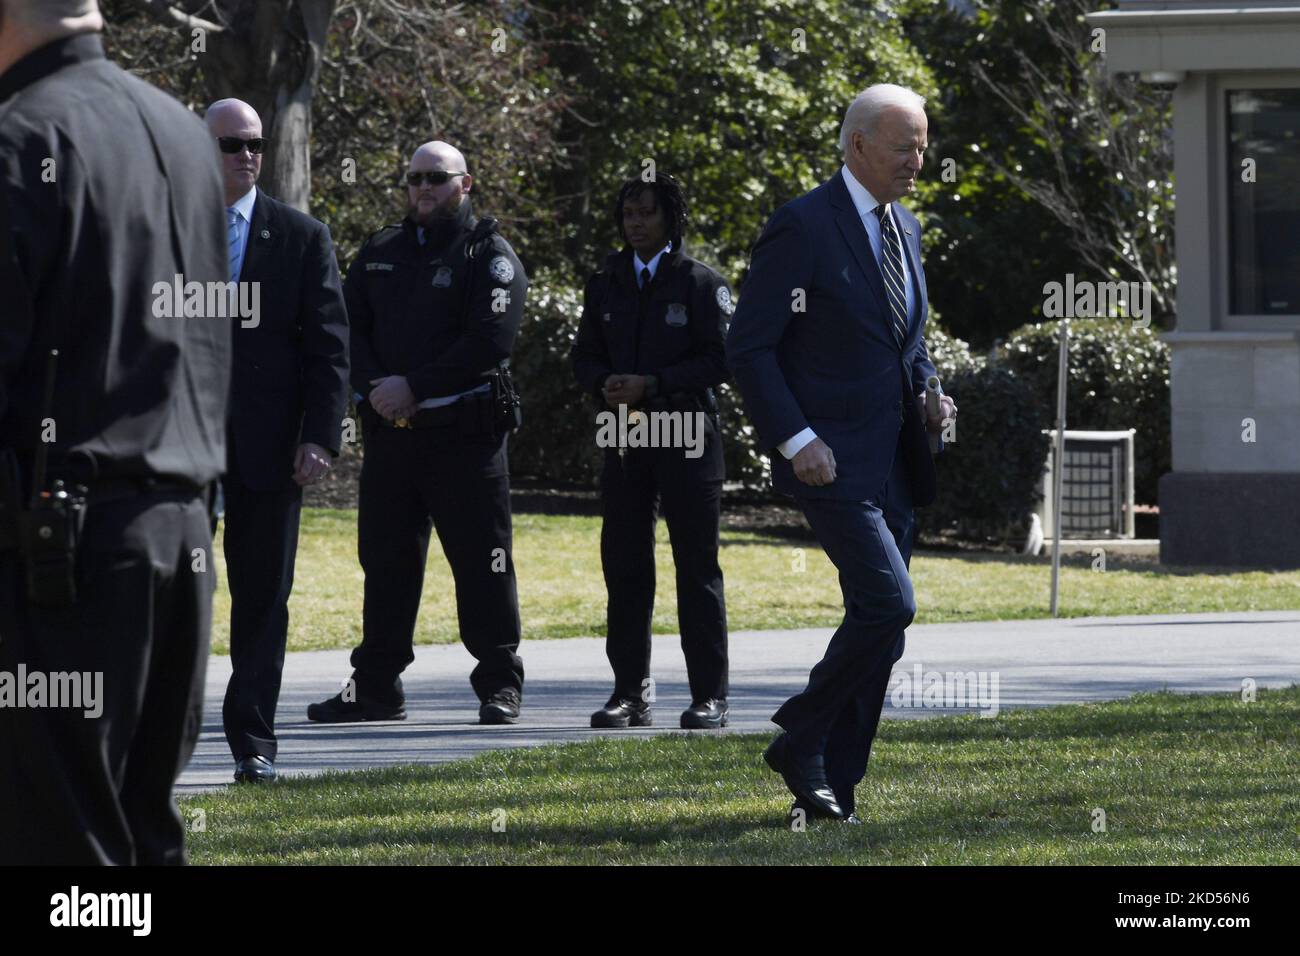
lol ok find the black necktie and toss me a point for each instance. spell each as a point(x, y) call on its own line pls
point(645, 277)
point(891, 267)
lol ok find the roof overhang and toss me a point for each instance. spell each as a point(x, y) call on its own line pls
point(1170, 39)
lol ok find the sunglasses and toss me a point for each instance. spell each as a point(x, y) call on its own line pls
point(233, 144)
point(435, 178)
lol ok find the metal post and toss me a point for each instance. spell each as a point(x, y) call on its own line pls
point(1058, 457)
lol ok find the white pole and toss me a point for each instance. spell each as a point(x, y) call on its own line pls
point(1058, 457)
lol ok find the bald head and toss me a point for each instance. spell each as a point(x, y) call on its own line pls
point(429, 201)
point(27, 25)
point(439, 155)
point(232, 119)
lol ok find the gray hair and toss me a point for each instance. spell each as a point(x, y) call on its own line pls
point(864, 112)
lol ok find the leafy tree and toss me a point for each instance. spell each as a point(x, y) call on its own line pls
point(1059, 167)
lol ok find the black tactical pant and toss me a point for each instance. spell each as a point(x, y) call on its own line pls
point(414, 481)
point(79, 787)
point(633, 489)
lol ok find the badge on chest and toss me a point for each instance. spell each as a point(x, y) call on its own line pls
point(442, 278)
point(675, 314)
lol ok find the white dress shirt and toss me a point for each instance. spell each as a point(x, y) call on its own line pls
point(865, 204)
point(652, 265)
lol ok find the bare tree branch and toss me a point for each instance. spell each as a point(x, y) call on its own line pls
point(166, 13)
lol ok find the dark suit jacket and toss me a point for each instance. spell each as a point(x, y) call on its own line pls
point(290, 382)
point(835, 366)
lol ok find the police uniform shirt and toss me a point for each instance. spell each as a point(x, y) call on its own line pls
point(409, 314)
point(675, 332)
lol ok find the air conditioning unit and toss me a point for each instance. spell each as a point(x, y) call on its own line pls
point(1097, 490)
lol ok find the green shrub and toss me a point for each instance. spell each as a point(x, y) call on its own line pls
point(557, 439)
point(1119, 378)
point(949, 354)
point(988, 476)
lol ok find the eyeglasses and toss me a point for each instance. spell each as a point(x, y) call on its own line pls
point(233, 144)
point(435, 178)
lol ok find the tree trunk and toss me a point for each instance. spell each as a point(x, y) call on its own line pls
point(266, 53)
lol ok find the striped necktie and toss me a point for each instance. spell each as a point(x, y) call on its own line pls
point(891, 267)
point(232, 241)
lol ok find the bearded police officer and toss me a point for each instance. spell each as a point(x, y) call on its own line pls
point(434, 305)
point(650, 348)
point(110, 210)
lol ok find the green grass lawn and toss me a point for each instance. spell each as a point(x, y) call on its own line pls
point(1181, 779)
point(771, 582)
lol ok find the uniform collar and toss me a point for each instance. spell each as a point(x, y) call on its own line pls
point(652, 265)
point(54, 56)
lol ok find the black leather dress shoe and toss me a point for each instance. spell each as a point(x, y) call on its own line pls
point(852, 818)
point(805, 776)
point(336, 710)
point(254, 769)
point(502, 707)
point(705, 715)
point(623, 712)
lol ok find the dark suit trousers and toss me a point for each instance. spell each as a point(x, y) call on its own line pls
point(260, 544)
point(870, 544)
point(80, 788)
point(414, 481)
point(631, 492)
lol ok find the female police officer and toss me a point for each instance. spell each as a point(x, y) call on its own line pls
point(651, 344)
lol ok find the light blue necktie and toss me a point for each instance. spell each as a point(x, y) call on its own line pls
point(232, 241)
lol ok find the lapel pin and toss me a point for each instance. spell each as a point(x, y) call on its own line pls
point(266, 233)
point(906, 229)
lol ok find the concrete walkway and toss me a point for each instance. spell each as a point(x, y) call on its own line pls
point(1036, 664)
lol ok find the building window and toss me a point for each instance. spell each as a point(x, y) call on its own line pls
point(1264, 201)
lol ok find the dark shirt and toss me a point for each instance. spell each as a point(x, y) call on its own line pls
point(409, 313)
point(676, 329)
point(109, 189)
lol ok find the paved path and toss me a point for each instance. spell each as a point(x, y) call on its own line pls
point(1037, 664)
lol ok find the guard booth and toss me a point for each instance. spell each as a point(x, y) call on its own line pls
point(1233, 496)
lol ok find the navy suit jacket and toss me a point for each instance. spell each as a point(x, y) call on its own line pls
point(290, 380)
point(834, 364)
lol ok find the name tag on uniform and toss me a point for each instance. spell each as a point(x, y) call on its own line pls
point(442, 278)
point(379, 267)
point(676, 314)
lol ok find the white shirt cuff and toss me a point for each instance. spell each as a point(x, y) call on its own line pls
point(791, 446)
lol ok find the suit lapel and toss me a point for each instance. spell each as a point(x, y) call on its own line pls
point(855, 237)
point(912, 249)
point(263, 237)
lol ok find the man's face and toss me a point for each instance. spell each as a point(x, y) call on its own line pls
point(888, 161)
point(239, 170)
point(644, 223)
point(428, 200)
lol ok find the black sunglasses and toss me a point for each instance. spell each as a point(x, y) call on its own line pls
point(435, 178)
point(233, 144)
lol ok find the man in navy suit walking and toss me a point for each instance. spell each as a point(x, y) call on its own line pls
point(828, 351)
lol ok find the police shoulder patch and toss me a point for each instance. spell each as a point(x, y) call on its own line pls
point(723, 296)
point(501, 270)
